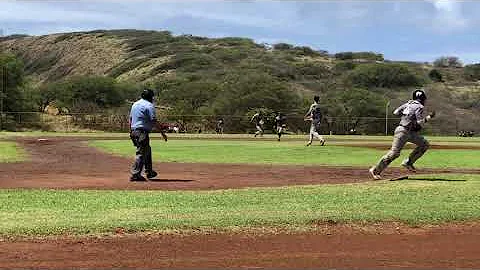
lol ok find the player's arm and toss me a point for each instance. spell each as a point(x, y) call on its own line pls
point(399, 111)
point(421, 118)
point(309, 112)
point(159, 126)
point(253, 117)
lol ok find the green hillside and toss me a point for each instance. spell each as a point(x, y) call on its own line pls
point(88, 72)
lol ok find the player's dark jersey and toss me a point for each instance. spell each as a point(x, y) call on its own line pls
point(280, 120)
point(257, 119)
point(316, 112)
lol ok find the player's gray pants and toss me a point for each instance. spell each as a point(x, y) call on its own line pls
point(400, 138)
point(314, 128)
point(143, 155)
point(259, 130)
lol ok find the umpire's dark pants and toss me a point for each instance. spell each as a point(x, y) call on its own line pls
point(143, 156)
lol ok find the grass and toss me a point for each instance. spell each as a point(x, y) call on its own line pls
point(10, 152)
point(294, 153)
point(429, 199)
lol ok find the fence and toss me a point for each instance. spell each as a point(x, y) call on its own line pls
point(16, 121)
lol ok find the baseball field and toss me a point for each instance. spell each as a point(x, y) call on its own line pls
point(236, 201)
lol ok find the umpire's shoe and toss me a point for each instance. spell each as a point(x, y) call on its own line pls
point(137, 178)
point(151, 174)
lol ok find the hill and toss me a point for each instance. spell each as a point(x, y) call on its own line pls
point(234, 77)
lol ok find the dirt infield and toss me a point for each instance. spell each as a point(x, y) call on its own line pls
point(335, 246)
point(66, 163)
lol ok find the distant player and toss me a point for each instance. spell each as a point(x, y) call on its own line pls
point(259, 122)
point(314, 114)
point(281, 124)
point(219, 126)
point(412, 119)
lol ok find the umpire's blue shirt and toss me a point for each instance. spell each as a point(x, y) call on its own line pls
point(142, 115)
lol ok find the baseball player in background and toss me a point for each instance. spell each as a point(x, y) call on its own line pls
point(220, 126)
point(259, 122)
point(314, 114)
point(142, 120)
point(408, 130)
point(281, 124)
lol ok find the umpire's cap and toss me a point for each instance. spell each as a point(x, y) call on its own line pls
point(148, 94)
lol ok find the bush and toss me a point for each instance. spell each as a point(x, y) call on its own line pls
point(359, 55)
point(435, 75)
point(472, 72)
point(85, 94)
point(385, 76)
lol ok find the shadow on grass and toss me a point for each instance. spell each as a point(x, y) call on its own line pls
point(436, 179)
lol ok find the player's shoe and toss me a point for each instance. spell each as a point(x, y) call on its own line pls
point(151, 174)
point(137, 178)
point(374, 174)
point(409, 167)
point(309, 143)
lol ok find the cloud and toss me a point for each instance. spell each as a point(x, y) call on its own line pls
point(448, 15)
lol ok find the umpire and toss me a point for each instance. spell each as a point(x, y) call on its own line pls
point(142, 120)
point(412, 118)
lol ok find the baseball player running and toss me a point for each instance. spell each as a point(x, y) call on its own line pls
point(281, 125)
point(412, 119)
point(315, 115)
point(259, 122)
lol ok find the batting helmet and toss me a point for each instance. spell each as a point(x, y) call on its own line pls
point(148, 94)
point(419, 95)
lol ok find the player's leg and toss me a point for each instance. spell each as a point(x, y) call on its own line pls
point(150, 173)
point(317, 134)
point(314, 128)
point(312, 134)
point(138, 139)
point(420, 149)
point(399, 140)
point(259, 130)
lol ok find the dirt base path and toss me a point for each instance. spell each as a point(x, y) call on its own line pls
point(446, 247)
point(69, 164)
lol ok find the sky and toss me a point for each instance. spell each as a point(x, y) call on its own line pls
point(419, 30)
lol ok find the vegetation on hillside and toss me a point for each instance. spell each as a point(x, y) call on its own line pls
point(226, 77)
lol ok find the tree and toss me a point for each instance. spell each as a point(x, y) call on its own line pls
point(435, 75)
point(350, 105)
point(84, 94)
point(448, 61)
point(12, 83)
point(384, 75)
point(282, 46)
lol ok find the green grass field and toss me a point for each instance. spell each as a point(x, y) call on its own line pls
point(425, 200)
point(294, 153)
point(10, 152)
